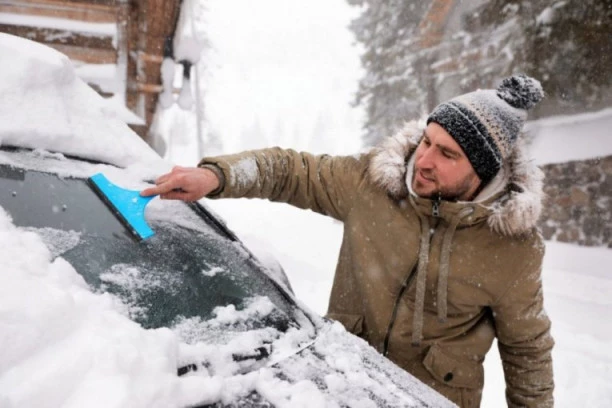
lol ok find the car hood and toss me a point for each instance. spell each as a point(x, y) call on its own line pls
point(340, 368)
point(45, 105)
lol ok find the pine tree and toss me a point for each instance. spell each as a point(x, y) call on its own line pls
point(387, 28)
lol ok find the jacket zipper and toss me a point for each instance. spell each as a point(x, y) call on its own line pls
point(405, 284)
point(435, 209)
point(435, 212)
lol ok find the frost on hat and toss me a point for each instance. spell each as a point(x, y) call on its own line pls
point(486, 123)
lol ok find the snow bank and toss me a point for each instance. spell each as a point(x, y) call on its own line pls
point(577, 287)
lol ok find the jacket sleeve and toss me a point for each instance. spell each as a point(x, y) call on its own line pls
point(524, 339)
point(325, 184)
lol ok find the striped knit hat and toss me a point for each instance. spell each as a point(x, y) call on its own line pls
point(486, 123)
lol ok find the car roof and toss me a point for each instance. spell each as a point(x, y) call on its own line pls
point(70, 117)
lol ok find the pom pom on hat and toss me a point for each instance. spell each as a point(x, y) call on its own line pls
point(521, 91)
point(486, 123)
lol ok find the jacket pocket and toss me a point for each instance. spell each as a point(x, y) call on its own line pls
point(352, 323)
point(453, 371)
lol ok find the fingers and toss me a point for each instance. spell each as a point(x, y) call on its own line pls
point(151, 191)
point(186, 184)
point(162, 188)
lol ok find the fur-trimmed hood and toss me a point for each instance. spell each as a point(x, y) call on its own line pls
point(513, 213)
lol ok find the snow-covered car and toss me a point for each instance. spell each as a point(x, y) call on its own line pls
point(91, 316)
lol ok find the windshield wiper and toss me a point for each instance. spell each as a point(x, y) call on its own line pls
point(260, 353)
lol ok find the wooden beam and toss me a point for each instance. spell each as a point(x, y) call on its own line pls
point(149, 88)
point(90, 3)
point(161, 20)
point(128, 42)
point(87, 55)
point(93, 13)
point(93, 4)
point(51, 36)
point(154, 89)
point(154, 59)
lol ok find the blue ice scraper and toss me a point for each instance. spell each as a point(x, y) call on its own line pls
point(127, 205)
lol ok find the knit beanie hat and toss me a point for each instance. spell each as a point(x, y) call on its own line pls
point(486, 123)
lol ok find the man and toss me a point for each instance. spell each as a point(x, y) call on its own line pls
point(440, 253)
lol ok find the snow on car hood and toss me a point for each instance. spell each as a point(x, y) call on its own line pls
point(64, 345)
point(45, 105)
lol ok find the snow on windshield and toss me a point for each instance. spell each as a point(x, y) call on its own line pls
point(57, 241)
point(57, 348)
point(194, 329)
point(135, 283)
point(63, 345)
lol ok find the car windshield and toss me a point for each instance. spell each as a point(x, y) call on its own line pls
point(186, 270)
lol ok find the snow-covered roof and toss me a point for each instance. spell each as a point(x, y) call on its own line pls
point(45, 105)
point(566, 138)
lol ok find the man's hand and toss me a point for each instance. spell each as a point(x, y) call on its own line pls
point(184, 183)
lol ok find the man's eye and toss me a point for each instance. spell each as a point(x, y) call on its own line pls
point(447, 155)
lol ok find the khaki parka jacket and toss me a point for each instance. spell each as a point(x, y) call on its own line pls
point(428, 283)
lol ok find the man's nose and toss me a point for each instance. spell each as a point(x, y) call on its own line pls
point(426, 159)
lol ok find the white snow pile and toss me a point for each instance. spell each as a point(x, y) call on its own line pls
point(45, 105)
point(62, 345)
point(56, 345)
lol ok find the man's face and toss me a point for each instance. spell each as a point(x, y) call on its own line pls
point(441, 168)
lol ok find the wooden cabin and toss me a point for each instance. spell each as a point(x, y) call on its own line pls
point(117, 46)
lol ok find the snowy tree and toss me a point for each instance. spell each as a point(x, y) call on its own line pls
point(566, 44)
point(388, 30)
point(420, 53)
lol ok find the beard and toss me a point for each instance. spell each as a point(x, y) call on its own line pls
point(455, 192)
